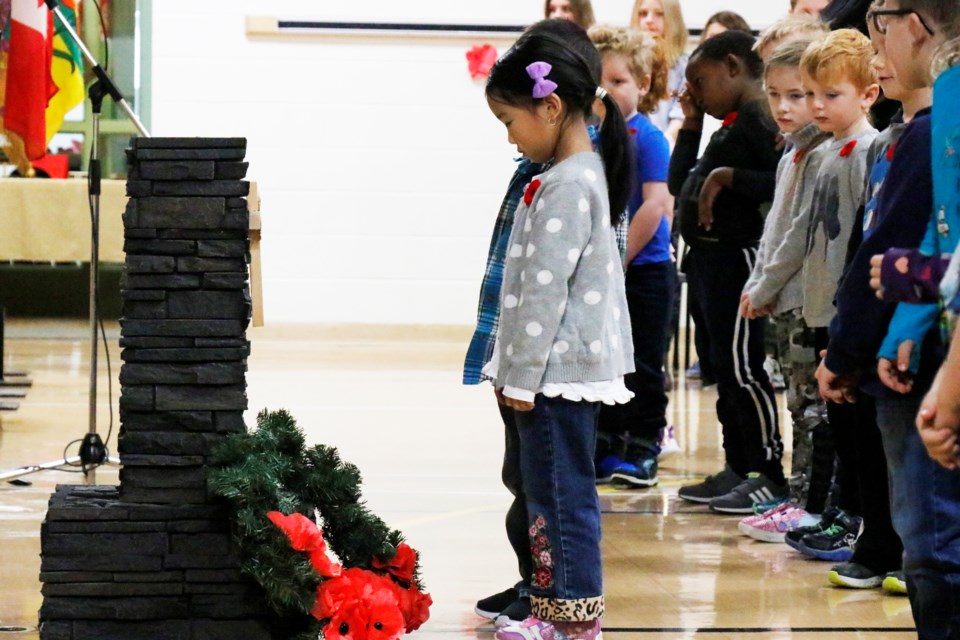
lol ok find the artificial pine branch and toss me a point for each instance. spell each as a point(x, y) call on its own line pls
point(270, 469)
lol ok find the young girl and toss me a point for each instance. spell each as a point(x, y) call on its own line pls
point(776, 286)
point(578, 11)
point(564, 343)
point(632, 63)
point(663, 19)
point(722, 228)
point(724, 21)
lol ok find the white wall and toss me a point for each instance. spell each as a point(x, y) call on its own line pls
point(380, 168)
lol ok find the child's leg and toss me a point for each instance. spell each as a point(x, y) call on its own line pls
point(556, 457)
point(797, 347)
point(516, 520)
point(649, 291)
point(925, 502)
point(746, 405)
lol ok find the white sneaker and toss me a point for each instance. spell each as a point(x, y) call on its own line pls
point(668, 442)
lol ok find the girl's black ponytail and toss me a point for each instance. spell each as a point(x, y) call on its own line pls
point(617, 159)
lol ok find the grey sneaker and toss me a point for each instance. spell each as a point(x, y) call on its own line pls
point(756, 488)
point(716, 485)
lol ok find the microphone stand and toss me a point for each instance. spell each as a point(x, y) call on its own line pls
point(92, 450)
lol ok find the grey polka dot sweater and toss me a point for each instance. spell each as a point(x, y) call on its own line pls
point(563, 309)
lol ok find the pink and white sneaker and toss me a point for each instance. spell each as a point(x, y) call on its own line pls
point(537, 629)
point(746, 524)
point(776, 526)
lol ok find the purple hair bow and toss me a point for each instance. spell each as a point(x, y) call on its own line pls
point(538, 73)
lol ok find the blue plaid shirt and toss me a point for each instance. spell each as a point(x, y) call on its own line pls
point(488, 309)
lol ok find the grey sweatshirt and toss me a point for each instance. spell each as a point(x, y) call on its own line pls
point(837, 195)
point(777, 277)
point(563, 308)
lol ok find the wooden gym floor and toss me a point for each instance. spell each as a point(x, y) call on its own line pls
point(430, 450)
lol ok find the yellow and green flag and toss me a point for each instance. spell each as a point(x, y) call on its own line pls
point(66, 70)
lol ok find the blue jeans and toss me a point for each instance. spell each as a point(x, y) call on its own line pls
point(925, 504)
point(557, 442)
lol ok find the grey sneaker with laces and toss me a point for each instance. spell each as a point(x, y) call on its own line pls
point(716, 485)
point(755, 488)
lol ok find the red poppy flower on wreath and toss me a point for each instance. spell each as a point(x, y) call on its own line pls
point(730, 119)
point(530, 191)
point(890, 152)
point(305, 535)
point(848, 148)
point(402, 564)
point(480, 59)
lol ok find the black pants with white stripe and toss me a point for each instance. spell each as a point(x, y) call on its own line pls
point(746, 406)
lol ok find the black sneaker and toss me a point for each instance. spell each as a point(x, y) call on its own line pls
point(793, 538)
point(834, 543)
point(515, 613)
point(854, 575)
point(714, 486)
point(756, 488)
point(491, 606)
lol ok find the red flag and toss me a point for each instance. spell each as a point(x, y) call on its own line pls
point(29, 84)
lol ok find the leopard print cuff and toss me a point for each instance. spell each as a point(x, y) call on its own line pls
point(560, 610)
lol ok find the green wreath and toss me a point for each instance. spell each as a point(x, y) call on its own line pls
point(270, 471)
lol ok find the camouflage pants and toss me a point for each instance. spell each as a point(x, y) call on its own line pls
point(796, 346)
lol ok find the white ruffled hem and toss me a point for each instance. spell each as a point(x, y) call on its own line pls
point(609, 392)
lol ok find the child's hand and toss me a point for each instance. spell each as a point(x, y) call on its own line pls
point(688, 103)
point(518, 405)
point(745, 305)
point(938, 427)
point(719, 179)
point(833, 387)
point(896, 375)
point(875, 264)
point(513, 403)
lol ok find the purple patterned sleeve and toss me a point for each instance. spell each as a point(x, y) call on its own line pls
point(906, 275)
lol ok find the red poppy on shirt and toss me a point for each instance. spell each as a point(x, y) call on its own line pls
point(730, 119)
point(798, 156)
point(848, 148)
point(531, 190)
point(890, 152)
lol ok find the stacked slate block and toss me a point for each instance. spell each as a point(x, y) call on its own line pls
point(153, 558)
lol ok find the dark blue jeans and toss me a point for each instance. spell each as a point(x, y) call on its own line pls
point(557, 442)
point(925, 503)
point(650, 290)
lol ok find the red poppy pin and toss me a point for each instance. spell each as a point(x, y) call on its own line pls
point(531, 190)
point(798, 156)
point(890, 152)
point(632, 131)
point(848, 148)
point(730, 119)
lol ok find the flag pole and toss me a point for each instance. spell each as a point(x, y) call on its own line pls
point(93, 453)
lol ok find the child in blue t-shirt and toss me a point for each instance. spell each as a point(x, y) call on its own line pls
point(634, 73)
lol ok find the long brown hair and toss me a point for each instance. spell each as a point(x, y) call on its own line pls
point(675, 34)
point(582, 12)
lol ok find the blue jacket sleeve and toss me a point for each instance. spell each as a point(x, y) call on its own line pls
point(913, 321)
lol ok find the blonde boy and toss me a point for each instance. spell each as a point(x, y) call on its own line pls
point(789, 29)
point(634, 74)
point(841, 85)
